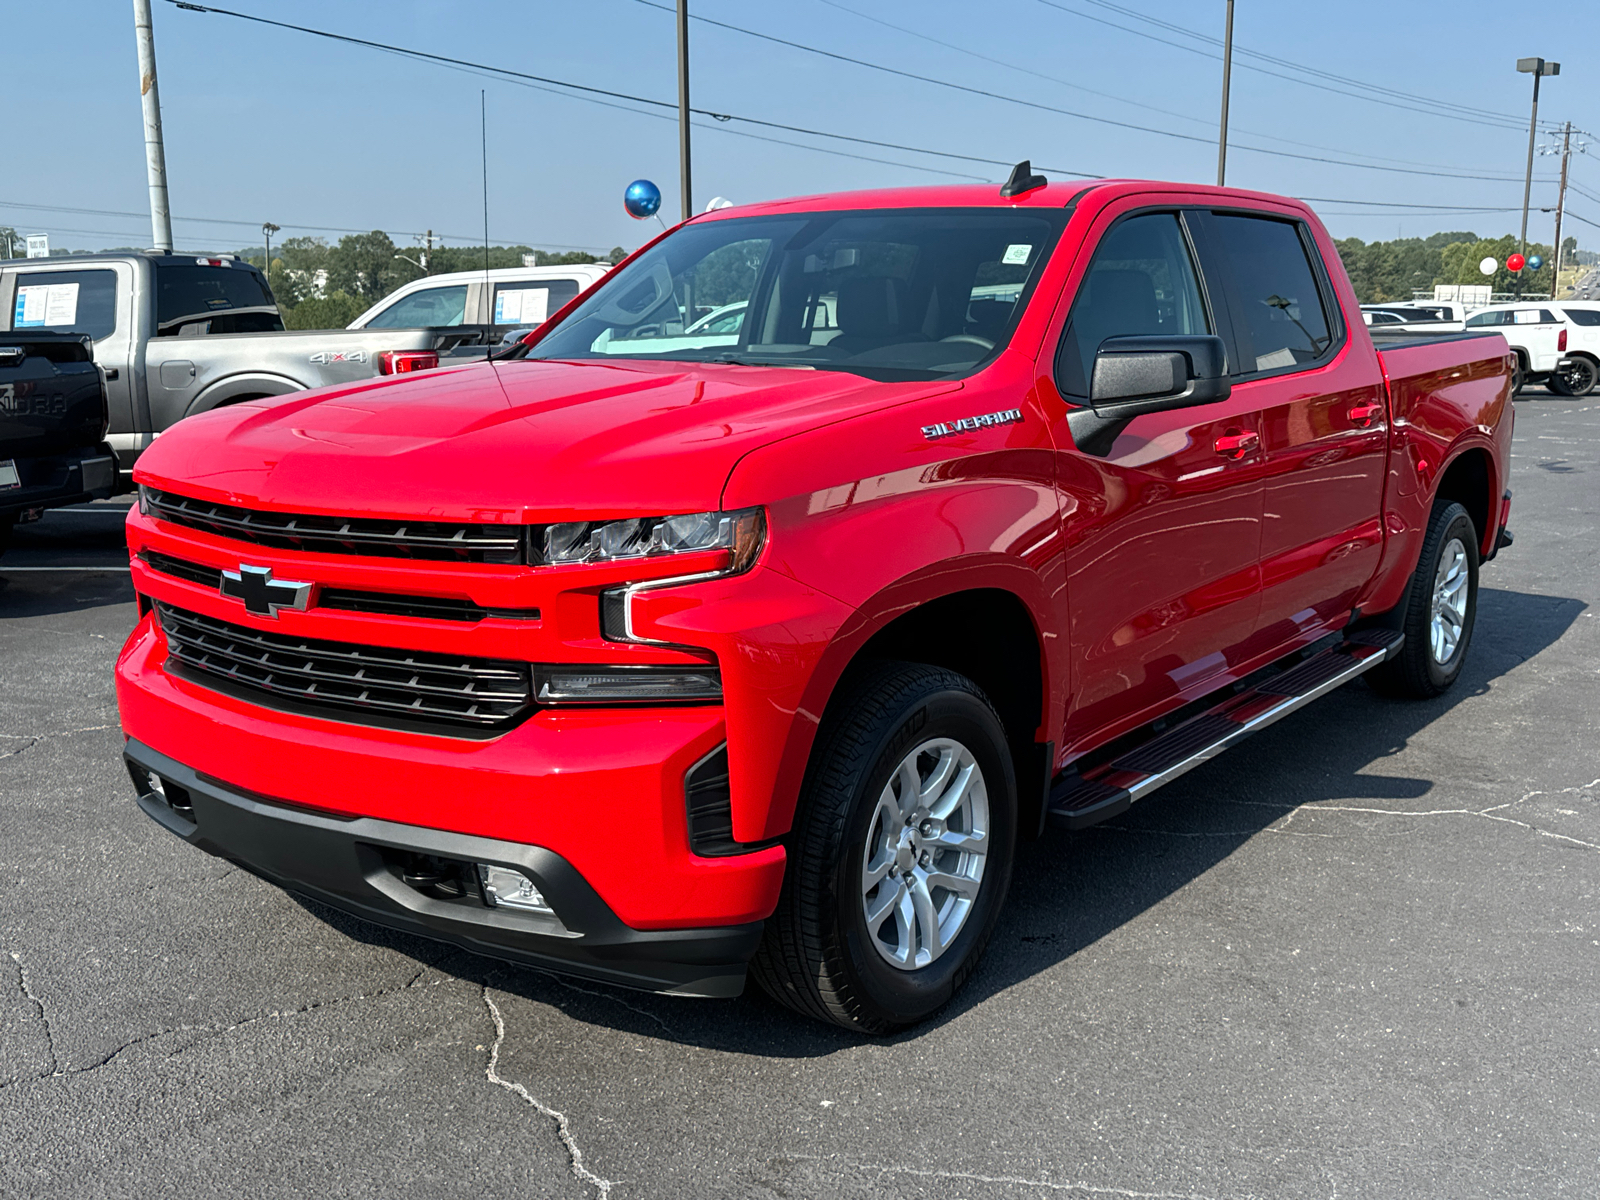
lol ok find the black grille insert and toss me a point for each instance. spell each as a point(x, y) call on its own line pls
point(368, 684)
point(391, 604)
point(432, 540)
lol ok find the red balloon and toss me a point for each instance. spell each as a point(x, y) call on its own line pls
point(1515, 262)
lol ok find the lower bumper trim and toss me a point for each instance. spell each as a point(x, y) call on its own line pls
point(349, 864)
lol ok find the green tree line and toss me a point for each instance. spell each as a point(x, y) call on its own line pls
point(1390, 271)
point(362, 268)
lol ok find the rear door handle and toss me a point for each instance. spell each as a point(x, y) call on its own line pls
point(1364, 414)
point(1237, 445)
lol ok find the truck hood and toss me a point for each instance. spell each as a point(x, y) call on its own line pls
point(518, 441)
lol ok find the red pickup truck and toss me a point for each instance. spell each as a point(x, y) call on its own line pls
point(660, 656)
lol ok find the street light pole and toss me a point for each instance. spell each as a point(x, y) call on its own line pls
point(683, 106)
point(1227, 70)
point(155, 154)
point(1538, 68)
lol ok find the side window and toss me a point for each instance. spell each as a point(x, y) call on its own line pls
point(1526, 316)
point(67, 302)
point(1583, 316)
point(1141, 281)
point(1546, 317)
point(430, 306)
point(531, 302)
point(1284, 322)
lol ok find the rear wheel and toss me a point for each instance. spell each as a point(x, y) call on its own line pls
point(1577, 378)
point(901, 853)
point(1440, 610)
point(1519, 376)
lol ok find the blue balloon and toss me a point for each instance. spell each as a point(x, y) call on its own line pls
point(1535, 261)
point(642, 199)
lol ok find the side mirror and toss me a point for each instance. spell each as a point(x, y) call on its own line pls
point(1134, 375)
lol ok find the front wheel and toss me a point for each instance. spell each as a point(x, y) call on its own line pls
point(901, 852)
point(1441, 609)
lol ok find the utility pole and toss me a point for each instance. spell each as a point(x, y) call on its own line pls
point(427, 252)
point(683, 106)
point(1227, 70)
point(1538, 68)
point(267, 230)
point(1561, 202)
point(155, 154)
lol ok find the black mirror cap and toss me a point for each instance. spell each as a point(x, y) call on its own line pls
point(1146, 373)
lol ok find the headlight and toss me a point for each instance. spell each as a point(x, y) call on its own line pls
point(587, 684)
point(741, 533)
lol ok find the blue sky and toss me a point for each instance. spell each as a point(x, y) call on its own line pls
point(267, 124)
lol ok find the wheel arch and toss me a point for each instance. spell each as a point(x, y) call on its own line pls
point(983, 624)
point(236, 389)
point(1469, 478)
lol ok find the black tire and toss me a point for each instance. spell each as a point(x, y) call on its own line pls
point(1416, 672)
point(1519, 376)
point(816, 955)
point(1577, 379)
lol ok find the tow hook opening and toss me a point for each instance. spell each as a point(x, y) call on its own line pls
point(173, 795)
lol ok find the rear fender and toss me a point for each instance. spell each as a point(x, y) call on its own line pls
point(234, 388)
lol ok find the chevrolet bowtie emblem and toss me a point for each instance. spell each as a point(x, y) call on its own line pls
point(261, 593)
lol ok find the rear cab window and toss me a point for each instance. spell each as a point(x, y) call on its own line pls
point(424, 307)
point(67, 302)
point(193, 300)
point(1281, 314)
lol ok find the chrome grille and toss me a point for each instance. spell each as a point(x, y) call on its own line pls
point(431, 540)
point(368, 684)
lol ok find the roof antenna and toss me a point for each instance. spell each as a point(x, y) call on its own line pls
point(1022, 180)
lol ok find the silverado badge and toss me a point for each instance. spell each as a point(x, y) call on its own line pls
point(944, 429)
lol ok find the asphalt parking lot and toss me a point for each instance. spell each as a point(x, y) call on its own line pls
point(1357, 957)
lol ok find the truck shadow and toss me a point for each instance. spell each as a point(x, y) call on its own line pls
point(74, 539)
point(1069, 891)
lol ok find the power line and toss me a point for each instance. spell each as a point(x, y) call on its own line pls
point(1453, 112)
point(1451, 108)
point(590, 92)
point(1067, 83)
point(1067, 112)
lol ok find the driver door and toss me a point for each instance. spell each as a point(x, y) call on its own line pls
point(1162, 520)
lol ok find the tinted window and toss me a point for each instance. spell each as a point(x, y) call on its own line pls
point(67, 302)
point(532, 302)
point(1583, 316)
point(191, 299)
point(1140, 282)
point(430, 306)
point(1284, 321)
point(1486, 318)
point(894, 293)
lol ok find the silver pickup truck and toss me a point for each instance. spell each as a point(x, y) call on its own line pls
point(177, 334)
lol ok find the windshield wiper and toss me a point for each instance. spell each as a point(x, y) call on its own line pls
point(745, 360)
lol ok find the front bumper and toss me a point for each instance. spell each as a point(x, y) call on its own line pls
point(350, 864)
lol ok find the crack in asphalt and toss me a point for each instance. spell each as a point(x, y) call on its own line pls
point(1491, 814)
point(44, 1015)
point(1047, 1184)
point(57, 1072)
point(30, 740)
point(563, 1126)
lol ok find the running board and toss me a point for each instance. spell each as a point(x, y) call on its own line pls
point(1080, 800)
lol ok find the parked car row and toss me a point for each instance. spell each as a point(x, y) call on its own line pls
point(180, 334)
point(1557, 342)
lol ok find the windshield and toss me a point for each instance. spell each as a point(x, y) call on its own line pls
point(894, 293)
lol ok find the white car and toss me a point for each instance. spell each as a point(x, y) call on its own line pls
point(1538, 333)
point(1422, 318)
point(506, 296)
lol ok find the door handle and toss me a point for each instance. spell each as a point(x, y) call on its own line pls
point(1237, 445)
point(1364, 414)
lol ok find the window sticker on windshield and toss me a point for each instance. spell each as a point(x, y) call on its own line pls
point(1016, 255)
point(525, 306)
point(46, 304)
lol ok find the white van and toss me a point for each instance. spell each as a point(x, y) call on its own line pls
point(506, 298)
